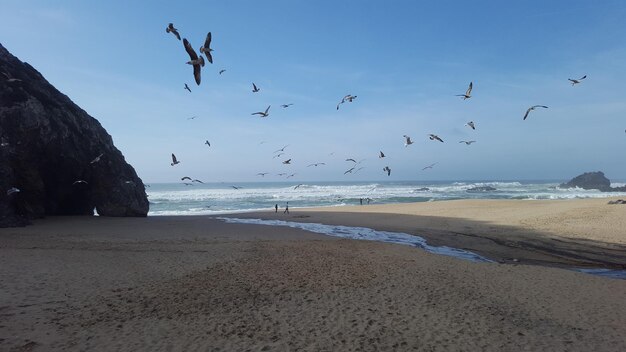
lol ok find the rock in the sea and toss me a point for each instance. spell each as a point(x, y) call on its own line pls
point(592, 180)
point(46, 144)
point(481, 189)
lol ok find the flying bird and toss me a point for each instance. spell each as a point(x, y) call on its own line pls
point(236, 187)
point(381, 155)
point(350, 159)
point(196, 62)
point(262, 114)
point(407, 141)
point(187, 87)
point(192, 118)
point(348, 98)
point(207, 143)
point(429, 166)
point(467, 142)
point(262, 174)
point(9, 78)
point(387, 170)
point(281, 149)
point(434, 137)
point(468, 92)
point(316, 164)
point(292, 175)
point(80, 182)
point(278, 155)
point(471, 125)
point(254, 88)
point(195, 180)
point(301, 184)
point(174, 160)
point(96, 159)
point(222, 71)
point(281, 174)
point(533, 108)
point(206, 48)
point(288, 161)
point(576, 81)
point(185, 178)
point(287, 105)
point(349, 170)
point(12, 190)
point(170, 29)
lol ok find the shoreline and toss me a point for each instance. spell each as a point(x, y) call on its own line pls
point(198, 283)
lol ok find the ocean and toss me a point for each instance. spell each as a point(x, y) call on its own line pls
point(222, 198)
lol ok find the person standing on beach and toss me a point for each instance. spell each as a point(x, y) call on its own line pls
point(286, 209)
point(276, 208)
point(361, 201)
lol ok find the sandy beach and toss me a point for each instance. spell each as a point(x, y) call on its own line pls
point(197, 283)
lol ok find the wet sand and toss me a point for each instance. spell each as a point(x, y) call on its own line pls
point(196, 283)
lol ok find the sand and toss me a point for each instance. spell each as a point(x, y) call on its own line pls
point(198, 284)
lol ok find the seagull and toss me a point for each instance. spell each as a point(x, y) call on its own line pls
point(235, 187)
point(262, 114)
point(170, 29)
point(196, 62)
point(9, 78)
point(348, 98)
point(206, 49)
point(222, 71)
point(381, 155)
point(278, 155)
point(281, 149)
point(192, 118)
point(407, 141)
point(194, 180)
point(429, 166)
point(96, 159)
point(186, 178)
point(281, 174)
point(254, 88)
point(80, 181)
point(533, 108)
point(471, 125)
point(467, 142)
point(576, 81)
point(292, 175)
point(467, 92)
point(349, 171)
point(12, 190)
point(387, 170)
point(207, 143)
point(301, 184)
point(316, 164)
point(187, 87)
point(174, 161)
point(350, 159)
point(434, 137)
point(262, 174)
point(287, 105)
point(288, 161)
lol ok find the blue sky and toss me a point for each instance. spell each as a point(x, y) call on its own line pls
point(405, 60)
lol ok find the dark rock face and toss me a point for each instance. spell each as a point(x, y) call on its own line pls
point(46, 144)
point(592, 180)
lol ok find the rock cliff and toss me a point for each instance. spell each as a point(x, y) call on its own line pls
point(592, 180)
point(47, 143)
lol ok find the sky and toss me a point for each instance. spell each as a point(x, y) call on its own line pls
point(404, 60)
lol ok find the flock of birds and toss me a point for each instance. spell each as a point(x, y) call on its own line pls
point(198, 62)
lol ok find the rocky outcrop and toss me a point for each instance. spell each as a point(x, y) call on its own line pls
point(46, 144)
point(592, 180)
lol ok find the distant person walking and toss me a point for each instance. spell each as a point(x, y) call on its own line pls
point(286, 209)
point(276, 208)
point(361, 201)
